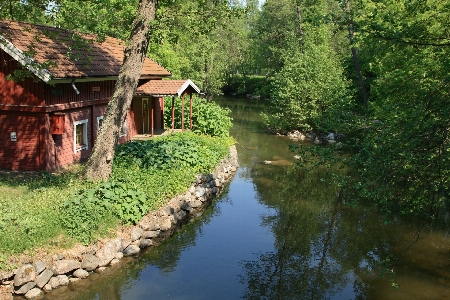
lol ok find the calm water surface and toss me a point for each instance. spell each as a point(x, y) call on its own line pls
point(279, 234)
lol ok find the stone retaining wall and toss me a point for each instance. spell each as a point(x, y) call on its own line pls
point(32, 280)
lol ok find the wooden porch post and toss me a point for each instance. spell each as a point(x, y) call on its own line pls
point(153, 116)
point(161, 101)
point(173, 113)
point(190, 112)
point(182, 113)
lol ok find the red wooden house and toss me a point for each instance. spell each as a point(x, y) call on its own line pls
point(52, 119)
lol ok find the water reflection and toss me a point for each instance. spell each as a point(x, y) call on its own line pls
point(278, 233)
point(327, 250)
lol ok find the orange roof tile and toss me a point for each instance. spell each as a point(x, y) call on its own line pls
point(49, 44)
point(167, 88)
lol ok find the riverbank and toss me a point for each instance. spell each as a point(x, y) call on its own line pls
point(35, 277)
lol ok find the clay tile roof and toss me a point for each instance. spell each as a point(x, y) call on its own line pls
point(167, 88)
point(55, 45)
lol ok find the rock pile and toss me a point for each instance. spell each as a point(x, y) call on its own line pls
point(32, 280)
point(328, 137)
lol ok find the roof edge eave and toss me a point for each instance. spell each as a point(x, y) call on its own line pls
point(185, 85)
point(26, 61)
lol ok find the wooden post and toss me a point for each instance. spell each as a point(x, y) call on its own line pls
point(153, 116)
point(182, 113)
point(173, 113)
point(190, 112)
point(161, 104)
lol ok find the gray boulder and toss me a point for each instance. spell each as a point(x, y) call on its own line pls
point(63, 280)
point(53, 283)
point(65, 266)
point(39, 267)
point(106, 254)
point(80, 273)
point(145, 243)
point(151, 234)
point(136, 233)
point(122, 243)
point(90, 262)
point(43, 278)
point(131, 250)
point(25, 288)
point(199, 191)
point(33, 293)
point(25, 274)
point(166, 224)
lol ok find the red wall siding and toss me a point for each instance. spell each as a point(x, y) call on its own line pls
point(68, 94)
point(60, 147)
point(132, 130)
point(24, 154)
point(27, 92)
point(158, 113)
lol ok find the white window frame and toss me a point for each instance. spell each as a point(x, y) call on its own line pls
point(85, 135)
point(98, 122)
point(124, 129)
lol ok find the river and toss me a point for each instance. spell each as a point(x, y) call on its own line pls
point(277, 233)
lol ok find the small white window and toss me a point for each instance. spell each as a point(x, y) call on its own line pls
point(99, 122)
point(123, 130)
point(80, 135)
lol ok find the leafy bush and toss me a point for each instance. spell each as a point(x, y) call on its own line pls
point(178, 150)
point(207, 117)
point(127, 204)
point(83, 215)
point(308, 87)
point(165, 166)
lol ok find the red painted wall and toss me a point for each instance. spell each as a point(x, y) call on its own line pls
point(62, 93)
point(24, 153)
point(27, 92)
point(60, 147)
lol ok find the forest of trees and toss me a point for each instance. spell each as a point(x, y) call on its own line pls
point(376, 72)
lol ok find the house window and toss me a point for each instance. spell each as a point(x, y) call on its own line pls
point(123, 130)
point(99, 122)
point(80, 136)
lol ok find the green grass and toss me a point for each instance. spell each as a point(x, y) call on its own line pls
point(33, 207)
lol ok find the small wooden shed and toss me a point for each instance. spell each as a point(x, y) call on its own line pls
point(167, 88)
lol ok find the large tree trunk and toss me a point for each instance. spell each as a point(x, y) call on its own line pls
point(362, 88)
point(99, 165)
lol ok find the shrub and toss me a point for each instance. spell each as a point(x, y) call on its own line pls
point(83, 215)
point(207, 117)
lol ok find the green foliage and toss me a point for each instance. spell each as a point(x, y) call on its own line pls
point(151, 167)
point(29, 209)
point(200, 40)
point(243, 85)
point(309, 85)
point(403, 153)
point(207, 117)
point(83, 215)
point(174, 151)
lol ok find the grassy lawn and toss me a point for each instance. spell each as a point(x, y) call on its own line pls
point(42, 210)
